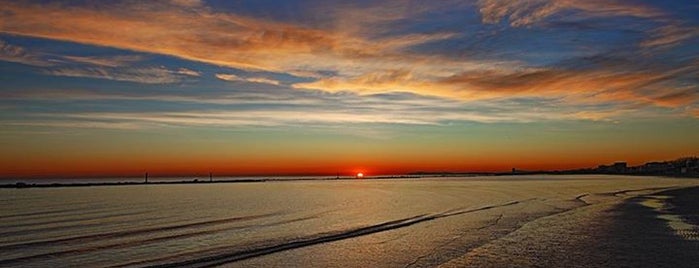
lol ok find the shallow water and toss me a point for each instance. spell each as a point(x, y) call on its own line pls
point(680, 226)
point(388, 223)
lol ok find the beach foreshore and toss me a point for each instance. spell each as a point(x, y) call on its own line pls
point(652, 229)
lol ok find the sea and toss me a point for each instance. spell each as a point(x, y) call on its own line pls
point(413, 222)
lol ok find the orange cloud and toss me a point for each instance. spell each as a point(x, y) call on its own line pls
point(197, 33)
point(670, 35)
point(576, 86)
point(523, 13)
point(526, 13)
point(554, 80)
point(579, 86)
point(190, 30)
point(675, 98)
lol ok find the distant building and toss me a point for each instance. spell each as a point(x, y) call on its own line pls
point(656, 166)
point(617, 167)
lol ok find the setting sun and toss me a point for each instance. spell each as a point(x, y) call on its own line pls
point(360, 175)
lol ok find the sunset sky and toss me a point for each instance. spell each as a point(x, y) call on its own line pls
point(118, 88)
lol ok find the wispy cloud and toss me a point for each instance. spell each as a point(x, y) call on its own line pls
point(695, 112)
point(18, 54)
point(586, 85)
point(357, 63)
point(69, 124)
point(312, 118)
point(118, 68)
point(523, 13)
point(235, 78)
point(230, 40)
point(188, 72)
point(319, 113)
point(364, 51)
point(217, 97)
point(107, 61)
point(652, 87)
point(527, 13)
point(670, 35)
point(188, 3)
point(145, 75)
point(199, 34)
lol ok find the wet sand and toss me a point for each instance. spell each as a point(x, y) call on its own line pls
point(637, 232)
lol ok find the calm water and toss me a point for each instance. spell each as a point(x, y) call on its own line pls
point(355, 223)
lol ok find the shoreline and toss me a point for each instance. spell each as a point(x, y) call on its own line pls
point(23, 185)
